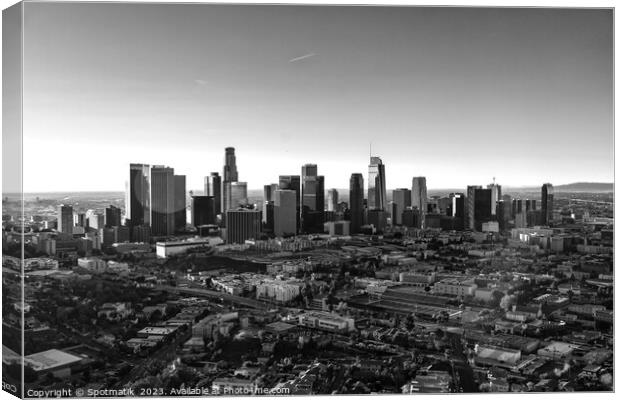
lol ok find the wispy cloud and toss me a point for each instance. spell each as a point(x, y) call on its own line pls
point(292, 60)
point(201, 82)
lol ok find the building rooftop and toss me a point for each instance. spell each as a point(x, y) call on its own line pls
point(50, 359)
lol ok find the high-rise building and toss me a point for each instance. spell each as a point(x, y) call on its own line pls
point(546, 203)
point(470, 202)
point(163, 203)
point(457, 205)
point(112, 216)
point(293, 182)
point(180, 202)
point(285, 213)
point(496, 195)
point(235, 194)
point(65, 219)
point(312, 199)
point(482, 207)
point(332, 200)
point(242, 224)
point(203, 210)
point(213, 187)
point(377, 195)
point(139, 198)
point(419, 197)
point(402, 200)
point(230, 165)
point(96, 220)
point(356, 202)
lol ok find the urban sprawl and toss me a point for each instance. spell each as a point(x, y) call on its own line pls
point(306, 290)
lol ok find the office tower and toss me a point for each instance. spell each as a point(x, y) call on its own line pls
point(402, 200)
point(141, 234)
point(79, 219)
point(378, 219)
point(162, 201)
point(293, 182)
point(312, 199)
point(112, 216)
point(377, 195)
point(65, 219)
point(332, 200)
point(203, 210)
point(501, 214)
point(235, 194)
point(482, 207)
point(507, 206)
point(356, 202)
point(242, 224)
point(230, 176)
point(230, 165)
point(180, 202)
point(469, 207)
point(285, 213)
point(419, 197)
point(96, 220)
point(139, 199)
point(457, 205)
point(213, 187)
point(496, 195)
point(547, 203)
point(411, 218)
point(268, 216)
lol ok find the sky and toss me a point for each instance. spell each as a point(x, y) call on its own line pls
point(459, 95)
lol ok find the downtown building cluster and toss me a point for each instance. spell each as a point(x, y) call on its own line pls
point(157, 202)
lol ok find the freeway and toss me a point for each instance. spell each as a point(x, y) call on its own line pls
point(215, 294)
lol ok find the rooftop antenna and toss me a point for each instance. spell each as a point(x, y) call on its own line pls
point(370, 149)
point(493, 180)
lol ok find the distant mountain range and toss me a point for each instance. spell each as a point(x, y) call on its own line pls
point(588, 187)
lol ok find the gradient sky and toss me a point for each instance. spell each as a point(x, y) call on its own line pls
point(459, 95)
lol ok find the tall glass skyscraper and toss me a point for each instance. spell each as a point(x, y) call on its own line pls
point(180, 202)
point(419, 197)
point(356, 202)
point(496, 195)
point(401, 199)
point(139, 195)
point(213, 187)
point(230, 165)
point(312, 199)
point(547, 203)
point(377, 195)
point(293, 182)
point(162, 201)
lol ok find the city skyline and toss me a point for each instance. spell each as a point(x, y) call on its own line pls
point(516, 94)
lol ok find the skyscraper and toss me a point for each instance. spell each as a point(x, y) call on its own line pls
point(312, 199)
point(235, 195)
point(332, 200)
point(203, 210)
point(547, 203)
point(293, 182)
point(402, 200)
point(457, 205)
point(482, 207)
point(230, 175)
point(65, 219)
point(162, 201)
point(356, 202)
point(112, 216)
point(230, 165)
point(213, 187)
point(496, 195)
point(139, 199)
point(284, 213)
point(469, 207)
point(377, 195)
point(180, 202)
point(419, 197)
point(242, 224)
